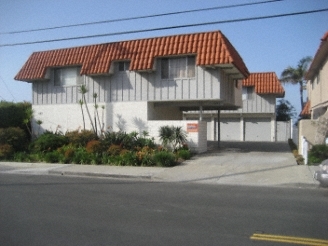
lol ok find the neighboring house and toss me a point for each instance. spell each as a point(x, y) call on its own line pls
point(256, 120)
point(139, 82)
point(315, 129)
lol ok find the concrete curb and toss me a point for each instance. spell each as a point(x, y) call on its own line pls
point(100, 175)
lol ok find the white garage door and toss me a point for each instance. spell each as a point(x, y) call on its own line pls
point(258, 129)
point(230, 129)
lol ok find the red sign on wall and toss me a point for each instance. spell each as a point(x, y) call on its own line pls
point(192, 127)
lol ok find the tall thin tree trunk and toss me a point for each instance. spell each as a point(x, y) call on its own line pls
point(301, 94)
point(86, 106)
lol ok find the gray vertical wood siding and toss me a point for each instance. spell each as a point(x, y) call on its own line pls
point(139, 86)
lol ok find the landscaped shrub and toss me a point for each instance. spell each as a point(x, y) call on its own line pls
point(116, 138)
point(13, 114)
point(183, 154)
point(6, 151)
point(317, 154)
point(14, 136)
point(48, 142)
point(21, 157)
point(145, 156)
point(164, 159)
point(292, 145)
point(52, 157)
point(127, 158)
point(172, 137)
point(81, 156)
point(67, 153)
point(114, 149)
point(94, 146)
point(80, 138)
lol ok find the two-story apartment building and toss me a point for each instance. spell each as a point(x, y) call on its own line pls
point(137, 82)
point(315, 129)
point(256, 119)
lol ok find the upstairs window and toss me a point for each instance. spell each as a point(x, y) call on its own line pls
point(180, 67)
point(123, 66)
point(68, 76)
point(248, 93)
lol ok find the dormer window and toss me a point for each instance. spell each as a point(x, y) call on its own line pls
point(178, 67)
point(123, 66)
point(248, 93)
point(67, 76)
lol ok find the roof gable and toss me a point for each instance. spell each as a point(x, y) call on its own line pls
point(306, 111)
point(211, 49)
point(265, 83)
point(320, 56)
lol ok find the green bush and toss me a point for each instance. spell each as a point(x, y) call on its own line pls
point(21, 157)
point(67, 153)
point(292, 145)
point(128, 158)
point(81, 156)
point(94, 146)
point(317, 154)
point(6, 151)
point(184, 154)
point(48, 142)
point(14, 136)
point(52, 157)
point(114, 138)
point(13, 114)
point(164, 159)
point(80, 138)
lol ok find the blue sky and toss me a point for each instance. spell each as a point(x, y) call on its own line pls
point(265, 45)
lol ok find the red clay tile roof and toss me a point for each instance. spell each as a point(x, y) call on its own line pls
point(320, 55)
point(306, 110)
point(211, 48)
point(265, 83)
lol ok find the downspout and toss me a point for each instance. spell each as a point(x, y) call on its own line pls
point(219, 135)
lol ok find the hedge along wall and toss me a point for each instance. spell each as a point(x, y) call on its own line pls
point(13, 114)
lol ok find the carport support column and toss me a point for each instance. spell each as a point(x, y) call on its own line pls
point(219, 136)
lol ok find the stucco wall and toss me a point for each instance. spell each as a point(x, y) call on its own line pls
point(307, 129)
point(124, 116)
point(318, 87)
point(63, 117)
point(127, 116)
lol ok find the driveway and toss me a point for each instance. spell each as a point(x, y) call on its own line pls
point(249, 146)
point(243, 163)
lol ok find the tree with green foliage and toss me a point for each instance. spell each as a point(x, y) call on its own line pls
point(285, 111)
point(296, 75)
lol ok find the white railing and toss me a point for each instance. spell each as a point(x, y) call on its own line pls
point(304, 149)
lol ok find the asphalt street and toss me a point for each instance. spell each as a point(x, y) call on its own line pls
point(62, 210)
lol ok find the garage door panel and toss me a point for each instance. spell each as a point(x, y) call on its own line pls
point(230, 129)
point(258, 129)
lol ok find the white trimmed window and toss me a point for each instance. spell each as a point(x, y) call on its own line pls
point(248, 93)
point(179, 67)
point(68, 76)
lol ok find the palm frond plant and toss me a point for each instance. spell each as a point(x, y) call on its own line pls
point(179, 137)
point(296, 75)
point(166, 136)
